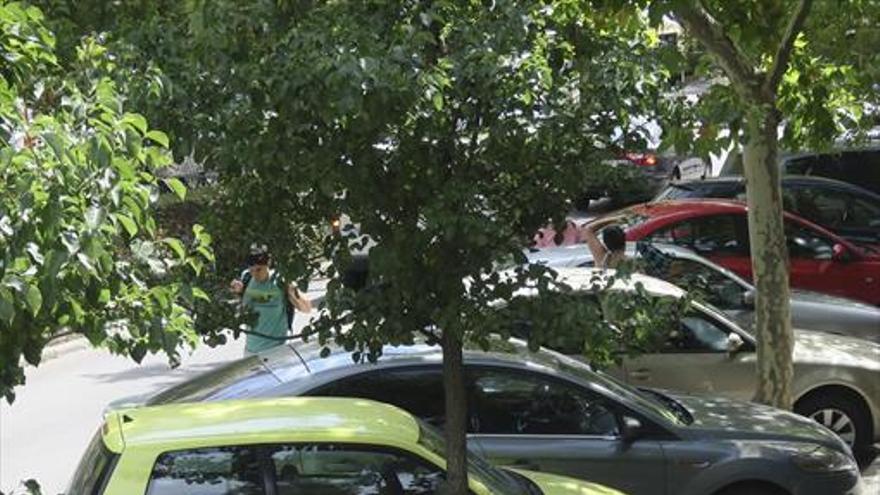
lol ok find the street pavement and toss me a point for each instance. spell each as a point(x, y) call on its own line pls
point(45, 431)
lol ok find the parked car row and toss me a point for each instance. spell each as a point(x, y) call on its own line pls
point(543, 411)
point(734, 295)
point(845, 209)
point(674, 420)
point(820, 260)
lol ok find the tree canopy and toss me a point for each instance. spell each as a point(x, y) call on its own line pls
point(81, 252)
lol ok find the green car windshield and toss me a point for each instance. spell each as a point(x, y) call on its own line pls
point(496, 480)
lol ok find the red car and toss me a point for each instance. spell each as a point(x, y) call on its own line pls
point(819, 260)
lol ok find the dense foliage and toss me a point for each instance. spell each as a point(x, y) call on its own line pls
point(81, 252)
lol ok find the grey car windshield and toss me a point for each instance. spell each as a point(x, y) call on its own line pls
point(624, 393)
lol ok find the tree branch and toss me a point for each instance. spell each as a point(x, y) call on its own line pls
point(711, 34)
point(783, 53)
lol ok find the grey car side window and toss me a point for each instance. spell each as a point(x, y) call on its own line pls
point(418, 390)
point(520, 403)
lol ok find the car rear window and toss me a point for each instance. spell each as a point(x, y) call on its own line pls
point(241, 379)
point(93, 472)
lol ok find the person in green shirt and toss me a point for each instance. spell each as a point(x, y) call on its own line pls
point(264, 291)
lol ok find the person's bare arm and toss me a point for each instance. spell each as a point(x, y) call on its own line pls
point(299, 301)
point(588, 234)
point(596, 247)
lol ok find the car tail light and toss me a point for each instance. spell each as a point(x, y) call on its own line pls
point(642, 159)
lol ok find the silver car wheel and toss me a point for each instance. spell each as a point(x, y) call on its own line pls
point(838, 422)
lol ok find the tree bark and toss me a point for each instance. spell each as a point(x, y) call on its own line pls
point(456, 415)
point(769, 257)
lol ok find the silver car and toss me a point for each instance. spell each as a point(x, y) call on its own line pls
point(543, 411)
point(836, 378)
point(735, 296)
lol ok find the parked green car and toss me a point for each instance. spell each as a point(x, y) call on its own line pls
point(286, 446)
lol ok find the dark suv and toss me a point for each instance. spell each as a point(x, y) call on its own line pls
point(859, 166)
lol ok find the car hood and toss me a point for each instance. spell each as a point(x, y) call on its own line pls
point(735, 420)
point(552, 484)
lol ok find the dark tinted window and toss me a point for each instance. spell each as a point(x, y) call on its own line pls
point(94, 469)
point(416, 390)
point(719, 234)
point(208, 471)
point(328, 469)
point(510, 402)
point(711, 285)
point(835, 208)
point(689, 190)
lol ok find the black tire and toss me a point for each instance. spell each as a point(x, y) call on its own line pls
point(842, 414)
point(752, 488)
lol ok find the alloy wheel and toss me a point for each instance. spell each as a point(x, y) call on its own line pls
point(838, 422)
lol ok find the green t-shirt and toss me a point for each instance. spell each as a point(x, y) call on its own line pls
point(267, 300)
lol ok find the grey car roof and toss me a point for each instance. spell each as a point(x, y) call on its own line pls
point(576, 255)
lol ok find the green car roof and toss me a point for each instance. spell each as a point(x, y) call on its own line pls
point(262, 420)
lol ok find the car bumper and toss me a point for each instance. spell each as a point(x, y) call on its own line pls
point(845, 482)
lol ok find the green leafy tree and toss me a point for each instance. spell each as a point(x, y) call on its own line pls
point(81, 252)
point(448, 132)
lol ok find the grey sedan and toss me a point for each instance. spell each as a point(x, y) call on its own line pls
point(836, 378)
point(543, 411)
point(735, 296)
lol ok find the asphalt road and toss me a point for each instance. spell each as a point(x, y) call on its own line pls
point(45, 431)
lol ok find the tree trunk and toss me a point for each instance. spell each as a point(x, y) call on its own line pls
point(456, 415)
point(769, 257)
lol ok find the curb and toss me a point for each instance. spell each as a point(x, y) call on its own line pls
point(64, 346)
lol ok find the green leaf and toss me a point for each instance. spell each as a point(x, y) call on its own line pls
point(135, 120)
point(34, 299)
point(176, 186)
point(158, 137)
point(129, 224)
point(437, 100)
point(200, 294)
point(175, 246)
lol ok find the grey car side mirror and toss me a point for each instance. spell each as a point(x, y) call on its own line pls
point(734, 343)
point(630, 429)
point(748, 298)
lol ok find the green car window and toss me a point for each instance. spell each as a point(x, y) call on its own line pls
point(208, 471)
point(351, 469)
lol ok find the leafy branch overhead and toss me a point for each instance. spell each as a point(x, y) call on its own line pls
point(81, 251)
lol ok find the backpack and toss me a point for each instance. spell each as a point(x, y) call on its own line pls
point(281, 284)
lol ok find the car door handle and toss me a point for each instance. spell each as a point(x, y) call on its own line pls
point(640, 374)
point(525, 464)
